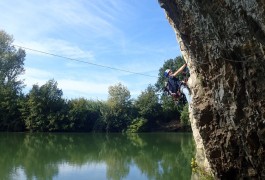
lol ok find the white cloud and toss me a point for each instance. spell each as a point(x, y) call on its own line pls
point(82, 14)
point(36, 76)
point(92, 86)
point(34, 19)
point(114, 33)
point(84, 87)
point(57, 47)
point(38, 73)
point(91, 170)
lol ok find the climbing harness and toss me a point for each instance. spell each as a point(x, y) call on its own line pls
point(173, 86)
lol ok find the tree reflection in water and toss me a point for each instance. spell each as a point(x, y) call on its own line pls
point(156, 155)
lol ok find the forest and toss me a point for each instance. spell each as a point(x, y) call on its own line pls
point(44, 109)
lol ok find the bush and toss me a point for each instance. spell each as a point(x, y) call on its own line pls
point(137, 125)
point(184, 117)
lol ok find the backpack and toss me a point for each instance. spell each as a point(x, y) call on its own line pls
point(173, 84)
point(172, 87)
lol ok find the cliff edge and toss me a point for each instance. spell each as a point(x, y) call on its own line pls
point(223, 42)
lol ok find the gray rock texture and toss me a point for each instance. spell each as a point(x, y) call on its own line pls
point(223, 42)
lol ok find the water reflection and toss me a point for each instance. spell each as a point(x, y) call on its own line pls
point(95, 156)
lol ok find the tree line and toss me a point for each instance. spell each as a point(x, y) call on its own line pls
point(43, 108)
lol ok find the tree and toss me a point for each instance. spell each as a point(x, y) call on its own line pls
point(170, 109)
point(46, 108)
point(11, 66)
point(184, 118)
point(137, 125)
point(119, 96)
point(172, 64)
point(119, 108)
point(148, 105)
point(83, 114)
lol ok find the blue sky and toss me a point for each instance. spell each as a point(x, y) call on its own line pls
point(133, 35)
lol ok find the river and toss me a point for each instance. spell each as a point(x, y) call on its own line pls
point(78, 156)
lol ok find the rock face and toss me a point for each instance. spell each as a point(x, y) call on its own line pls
point(223, 42)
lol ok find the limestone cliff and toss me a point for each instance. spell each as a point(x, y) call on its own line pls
point(223, 42)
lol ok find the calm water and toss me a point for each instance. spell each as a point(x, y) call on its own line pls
point(95, 156)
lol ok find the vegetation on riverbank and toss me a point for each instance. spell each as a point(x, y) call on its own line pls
point(199, 171)
point(43, 108)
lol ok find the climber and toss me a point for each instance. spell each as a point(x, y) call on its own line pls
point(174, 86)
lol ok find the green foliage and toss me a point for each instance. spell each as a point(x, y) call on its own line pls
point(117, 113)
point(11, 66)
point(46, 109)
point(148, 104)
point(119, 96)
point(11, 63)
point(83, 114)
point(173, 64)
point(184, 117)
point(137, 125)
point(169, 108)
point(10, 116)
point(202, 173)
